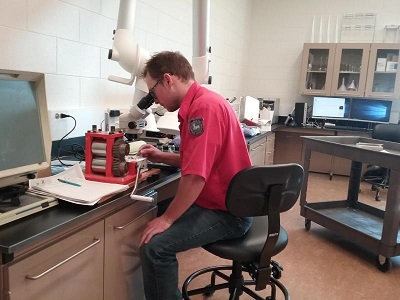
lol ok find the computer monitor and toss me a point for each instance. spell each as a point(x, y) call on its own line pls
point(371, 110)
point(330, 108)
point(25, 133)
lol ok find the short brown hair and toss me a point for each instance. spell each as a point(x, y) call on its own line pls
point(168, 62)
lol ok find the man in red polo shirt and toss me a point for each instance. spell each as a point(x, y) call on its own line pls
point(212, 151)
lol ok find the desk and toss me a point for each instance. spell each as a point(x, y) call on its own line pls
point(367, 226)
point(93, 248)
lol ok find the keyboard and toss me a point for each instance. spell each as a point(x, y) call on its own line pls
point(340, 127)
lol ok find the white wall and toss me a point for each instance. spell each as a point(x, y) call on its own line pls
point(279, 29)
point(256, 46)
point(68, 40)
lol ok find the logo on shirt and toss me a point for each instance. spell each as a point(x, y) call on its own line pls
point(196, 126)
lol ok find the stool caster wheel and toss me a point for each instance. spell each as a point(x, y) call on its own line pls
point(307, 224)
point(209, 294)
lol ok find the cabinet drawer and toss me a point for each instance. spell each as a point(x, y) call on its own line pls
point(69, 269)
point(256, 144)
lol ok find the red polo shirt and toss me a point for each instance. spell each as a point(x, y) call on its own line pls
point(212, 143)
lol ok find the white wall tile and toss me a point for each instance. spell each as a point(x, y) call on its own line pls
point(77, 59)
point(97, 93)
point(146, 17)
point(124, 96)
point(110, 8)
point(96, 30)
point(92, 5)
point(54, 18)
point(110, 67)
point(27, 51)
point(8, 12)
point(175, 30)
point(62, 91)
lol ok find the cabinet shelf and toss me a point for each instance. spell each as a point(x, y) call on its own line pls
point(349, 72)
point(386, 72)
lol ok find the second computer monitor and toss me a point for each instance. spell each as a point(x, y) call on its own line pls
point(371, 110)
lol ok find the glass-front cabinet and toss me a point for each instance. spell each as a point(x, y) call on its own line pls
point(350, 70)
point(317, 69)
point(383, 79)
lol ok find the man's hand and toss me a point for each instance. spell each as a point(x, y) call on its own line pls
point(157, 156)
point(150, 152)
point(154, 227)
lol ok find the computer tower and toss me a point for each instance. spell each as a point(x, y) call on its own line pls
point(300, 113)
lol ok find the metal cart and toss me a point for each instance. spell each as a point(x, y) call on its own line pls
point(365, 225)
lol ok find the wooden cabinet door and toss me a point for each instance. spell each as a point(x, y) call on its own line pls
point(71, 268)
point(122, 268)
point(317, 69)
point(288, 147)
point(383, 78)
point(350, 69)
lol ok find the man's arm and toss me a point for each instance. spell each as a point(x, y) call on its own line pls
point(190, 186)
point(155, 155)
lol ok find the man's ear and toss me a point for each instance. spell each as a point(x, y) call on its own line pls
point(168, 78)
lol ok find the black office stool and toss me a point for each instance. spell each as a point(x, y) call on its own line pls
point(262, 192)
point(377, 176)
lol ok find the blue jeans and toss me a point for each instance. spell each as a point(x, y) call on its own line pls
point(196, 227)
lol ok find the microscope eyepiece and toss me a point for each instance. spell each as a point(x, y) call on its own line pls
point(146, 101)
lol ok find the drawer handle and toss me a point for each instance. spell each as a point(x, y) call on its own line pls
point(135, 219)
point(95, 242)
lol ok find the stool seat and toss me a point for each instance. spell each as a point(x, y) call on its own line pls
point(249, 247)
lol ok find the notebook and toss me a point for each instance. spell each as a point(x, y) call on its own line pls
point(72, 186)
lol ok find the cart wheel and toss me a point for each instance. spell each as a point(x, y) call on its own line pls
point(378, 198)
point(383, 264)
point(307, 224)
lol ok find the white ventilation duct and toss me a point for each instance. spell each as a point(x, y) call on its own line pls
point(201, 45)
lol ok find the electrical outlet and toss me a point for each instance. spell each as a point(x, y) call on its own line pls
point(85, 118)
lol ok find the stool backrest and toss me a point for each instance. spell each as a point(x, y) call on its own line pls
point(387, 132)
point(253, 190)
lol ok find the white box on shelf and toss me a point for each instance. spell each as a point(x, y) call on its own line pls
point(381, 64)
point(391, 66)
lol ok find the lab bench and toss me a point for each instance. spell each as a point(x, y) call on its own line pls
point(80, 252)
point(369, 227)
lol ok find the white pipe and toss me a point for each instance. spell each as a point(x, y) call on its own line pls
point(201, 46)
point(201, 24)
point(126, 20)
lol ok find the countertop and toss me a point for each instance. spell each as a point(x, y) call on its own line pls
point(250, 140)
point(30, 229)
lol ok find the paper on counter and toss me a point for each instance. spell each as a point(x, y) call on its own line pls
point(88, 193)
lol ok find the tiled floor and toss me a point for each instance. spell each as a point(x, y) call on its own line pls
point(319, 264)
